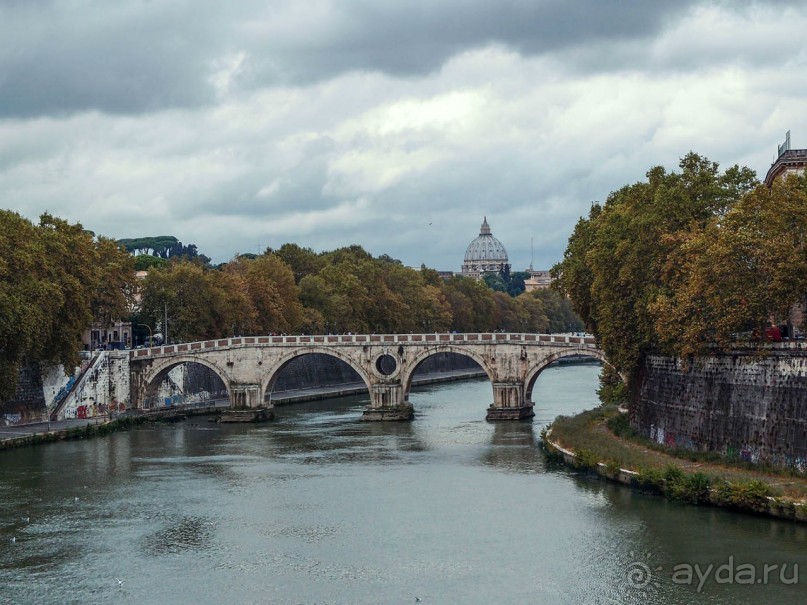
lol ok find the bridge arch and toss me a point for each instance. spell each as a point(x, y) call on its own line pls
point(157, 373)
point(532, 375)
point(271, 378)
point(408, 372)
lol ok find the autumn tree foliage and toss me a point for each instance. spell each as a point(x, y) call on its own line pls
point(56, 280)
point(681, 262)
point(295, 290)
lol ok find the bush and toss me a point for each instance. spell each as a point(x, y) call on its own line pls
point(744, 495)
point(586, 459)
point(650, 480)
point(620, 426)
point(692, 488)
point(613, 467)
point(612, 389)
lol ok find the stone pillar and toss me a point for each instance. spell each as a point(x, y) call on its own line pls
point(137, 389)
point(387, 403)
point(509, 403)
point(246, 396)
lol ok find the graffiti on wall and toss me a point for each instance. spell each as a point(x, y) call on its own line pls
point(12, 418)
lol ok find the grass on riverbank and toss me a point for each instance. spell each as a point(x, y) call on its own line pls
point(679, 475)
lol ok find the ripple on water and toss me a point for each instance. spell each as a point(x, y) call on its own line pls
point(312, 534)
point(187, 533)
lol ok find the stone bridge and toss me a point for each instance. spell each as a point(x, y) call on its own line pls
point(249, 366)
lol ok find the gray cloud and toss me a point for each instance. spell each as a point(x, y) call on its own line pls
point(246, 126)
point(132, 56)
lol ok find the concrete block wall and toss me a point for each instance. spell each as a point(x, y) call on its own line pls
point(743, 405)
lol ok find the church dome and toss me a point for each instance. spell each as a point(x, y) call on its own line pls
point(484, 253)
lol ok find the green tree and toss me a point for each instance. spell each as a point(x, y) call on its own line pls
point(144, 262)
point(303, 261)
point(557, 309)
point(201, 303)
point(472, 305)
point(116, 284)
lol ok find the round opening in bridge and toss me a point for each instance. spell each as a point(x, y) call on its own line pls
point(386, 364)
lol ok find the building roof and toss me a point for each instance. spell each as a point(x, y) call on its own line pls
point(788, 161)
point(485, 247)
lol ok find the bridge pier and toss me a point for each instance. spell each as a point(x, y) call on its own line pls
point(509, 402)
point(387, 403)
point(246, 396)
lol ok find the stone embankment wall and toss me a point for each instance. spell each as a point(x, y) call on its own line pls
point(747, 405)
point(28, 404)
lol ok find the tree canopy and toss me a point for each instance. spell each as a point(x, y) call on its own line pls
point(56, 280)
point(681, 262)
point(293, 289)
point(162, 246)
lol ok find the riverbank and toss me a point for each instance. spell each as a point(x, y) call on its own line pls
point(590, 441)
point(48, 432)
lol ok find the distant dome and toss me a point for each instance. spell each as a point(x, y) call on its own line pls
point(485, 253)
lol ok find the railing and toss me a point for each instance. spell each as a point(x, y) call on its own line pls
point(365, 339)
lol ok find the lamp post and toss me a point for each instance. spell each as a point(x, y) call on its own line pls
point(151, 338)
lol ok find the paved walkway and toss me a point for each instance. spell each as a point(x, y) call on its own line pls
point(24, 430)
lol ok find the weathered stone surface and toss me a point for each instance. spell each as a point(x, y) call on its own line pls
point(254, 415)
point(744, 405)
point(28, 404)
point(250, 367)
point(523, 412)
point(401, 412)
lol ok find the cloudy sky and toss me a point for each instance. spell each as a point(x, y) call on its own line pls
point(394, 124)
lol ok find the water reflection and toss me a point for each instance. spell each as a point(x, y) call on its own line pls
point(514, 448)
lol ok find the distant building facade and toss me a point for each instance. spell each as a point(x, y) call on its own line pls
point(538, 280)
point(117, 335)
point(789, 161)
point(484, 254)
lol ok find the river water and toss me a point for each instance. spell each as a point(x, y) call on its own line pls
point(318, 507)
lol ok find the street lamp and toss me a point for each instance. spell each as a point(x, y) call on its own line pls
point(151, 338)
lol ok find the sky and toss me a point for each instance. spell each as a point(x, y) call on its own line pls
point(393, 124)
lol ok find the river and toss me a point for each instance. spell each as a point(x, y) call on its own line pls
point(318, 507)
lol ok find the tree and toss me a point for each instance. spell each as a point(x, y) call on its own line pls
point(201, 303)
point(557, 310)
point(743, 268)
point(116, 284)
point(506, 281)
point(144, 262)
point(472, 305)
point(616, 268)
point(303, 261)
point(271, 291)
point(164, 247)
point(55, 280)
